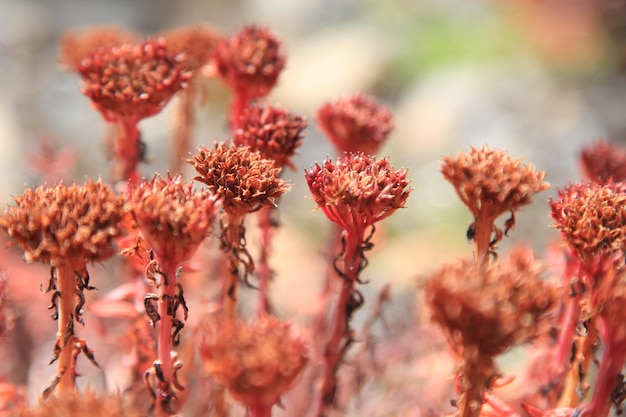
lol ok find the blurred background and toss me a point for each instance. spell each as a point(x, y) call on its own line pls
point(540, 78)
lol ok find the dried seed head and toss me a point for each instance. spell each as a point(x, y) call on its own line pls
point(487, 309)
point(77, 45)
point(258, 362)
point(591, 219)
point(242, 179)
point(490, 182)
point(63, 225)
point(173, 218)
point(196, 42)
point(133, 80)
point(274, 132)
point(250, 61)
point(356, 123)
point(604, 162)
point(358, 190)
point(80, 405)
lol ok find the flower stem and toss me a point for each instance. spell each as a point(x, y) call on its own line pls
point(340, 331)
point(128, 155)
point(66, 364)
point(483, 226)
point(263, 269)
point(232, 239)
point(475, 376)
point(260, 410)
point(183, 126)
point(237, 106)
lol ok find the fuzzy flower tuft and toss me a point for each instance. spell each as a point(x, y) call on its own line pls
point(485, 309)
point(242, 179)
point(133, 81)
point(80, 405)
point(591, 219)
point(196, 42)
point(604, 162)
point(356, 123)
point(173, 218)
point(63, 225)
point(250, 61)
point(257, 362)
point(358, 190)
point(490, 182)
point(274, 132)
point(75, 46)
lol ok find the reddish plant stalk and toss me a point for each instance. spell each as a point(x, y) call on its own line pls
point(483, 227)
point(185, 121)
point(233, 238)
point(476, 375)
point(610, 367)
point(239, 103)
point(128, 144)
point(264, 272)
point(167, 292)
point(260, 410)
point(339, 327)
point(66, 364)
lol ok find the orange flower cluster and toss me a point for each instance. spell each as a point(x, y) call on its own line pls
point(486, 309)
point(80, 405)
point(132, 81)
point(604, 162)
point(490, 182)
point(356, 123)
point(63, 225)
point(242, 179)
point(173, 218)
point(273, 131)
point(258, 362)
point(76, 46)
point(250, 61)
point(196, 42)
point(358, 190)
point(591, 219)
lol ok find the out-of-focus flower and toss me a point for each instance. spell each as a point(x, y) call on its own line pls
point(242, 179)
point(256, 362)
point(358, 190)
point(133, 81)
point(173, 218)
point(80, 405)
point(273, 131)
point(250, 61)
point(63, 225)
point(356, 123)
point(196, 42)
point(604, 162)
point(77, 45)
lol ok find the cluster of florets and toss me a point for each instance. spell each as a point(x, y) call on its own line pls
point(240, 178)
point(358, 190)
point(66, 225)
point(356, 123)
point(76, 46)
point(173, 218)
point(133, 80)
point(196, 42)
point(604, 162)
point(256, 362)
point(491, 182)
point(250, 61)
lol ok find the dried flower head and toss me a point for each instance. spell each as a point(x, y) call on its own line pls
point(490, 182)
point(196, 42)
point(604, 162)
point(356, 123)
point(173, 218)
point(273, 131)
point(242, 179)
point(358, 190)
point(591, 219)
point(250, 61)
point(485, 309)
point(63, 225)
point(80, 405)
point(77, 45)
point(133, 81)
point(257, 362)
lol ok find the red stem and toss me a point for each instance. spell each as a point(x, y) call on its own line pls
point(183, 126)
point(264, 272)
point(260, 410)
point(339, 327)
point(610, 367)
point(483, 226)
point(127, 151)
point(239, 103)
point(66, 364)
point(164, 340)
